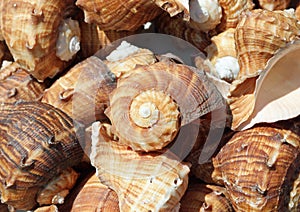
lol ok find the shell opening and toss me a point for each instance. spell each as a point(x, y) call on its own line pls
point(68, 42)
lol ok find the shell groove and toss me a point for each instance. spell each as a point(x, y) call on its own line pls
point(37, 142)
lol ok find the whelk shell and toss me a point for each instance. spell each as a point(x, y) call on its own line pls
point(270, 96)
point(148, 107)
point(260, 169)
point(118, 14)
point(38, 141)
point(31, 31)
point(153, 181)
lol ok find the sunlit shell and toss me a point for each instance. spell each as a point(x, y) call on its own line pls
point(203, 197)
point(175, 7)
point(56, 191)
point(205, 15)
point(272, 95)
point(119, 14)
point(95, 196)
point(232, 9)
point(148, 107)
point(259, 34)
point(177, 27)
point(143, 182)
point(274, 4)
point(260, 169)
point(38, 141)
point(17, 84)
point(31, 31)
point(93, 38)
point(83, 91)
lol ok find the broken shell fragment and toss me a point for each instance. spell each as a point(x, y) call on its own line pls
point(148, 107)
point(118, 14)
point(143, 182)
point(38, 141)
point(269, 96)
point(260, 169)
point(31, 31)
point(17, 84)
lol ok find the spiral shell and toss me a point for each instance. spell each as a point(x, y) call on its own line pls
point(232, 9)
point(148, 107)
point(118, 14)
point(83, 91)
point(95, 196)
point(274, 4)
point(175, 7)
point(16, 84)
point(38, 142)
point(260, 169)
point(31, 31)
point(143, 182)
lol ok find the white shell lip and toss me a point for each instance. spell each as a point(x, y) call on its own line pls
point(282, 102)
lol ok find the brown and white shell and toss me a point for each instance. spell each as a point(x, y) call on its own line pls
point(274, 4)
point(38, 141)
point(83, 91)
point(201, 197)
point(143, 182)
point(119, 14)
point(260, 168)
point(269, 96)
point(17, 84)
point(149, 106)
point(40, 35)
point(175, 7)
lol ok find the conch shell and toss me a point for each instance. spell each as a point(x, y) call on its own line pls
point(17, 84)
point(38, 141)
point(143, 182)
point(40, 35)
point(118, 14)
point(259, 168)
point(274, 4)
point(148, 107)
point(269, 96)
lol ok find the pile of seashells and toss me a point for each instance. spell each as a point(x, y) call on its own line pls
point(128, 131)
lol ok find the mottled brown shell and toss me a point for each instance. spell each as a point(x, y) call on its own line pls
point(274, 4)
point(179, 28)
point(119, 14)
point(260, 169)
point(37, 142)
point(204, 197)
point(83, 91)
point(148, 107)
point(31, 29)
point(95, 196)
point(17, 84)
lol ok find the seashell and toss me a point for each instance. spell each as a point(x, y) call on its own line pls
point(223, 56)
point(126, 57)
point(205, 15)
point(177, 27)
point(148, 107)
point(40, 35)
point(297, 12)
point(95, 196)
point(260, 169)
point(269, 96)
point(201, 197)
point(56, 190)
point(83, 91)
point(16, 84)
point(232, 9)
point(38, 142)
point(48, 208)
point(143, 182)
point(259, 34)
point(93, 38)
point(119, 15)
point(274, 4)
point(175, 7)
